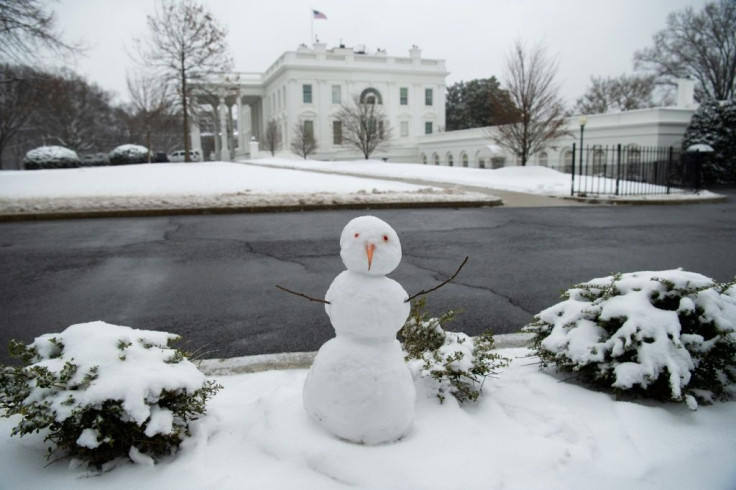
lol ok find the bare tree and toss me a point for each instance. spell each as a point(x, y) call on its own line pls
point(272, 138)
point(21, 89)
point(25, 28)
point(304, 142)
point(699, 45)
point(364, 125)
point(186, 44)
point(151, 102)
point(616, 94)
point(539, 111)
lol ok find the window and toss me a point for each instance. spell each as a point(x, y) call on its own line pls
point(370, 96)
point(309, 128)
point(543, 159)
point(336, 132)
point(404, 96)
point(427, 96)
point(307, 93)
point(436, 159)
point(428, 127)
point(465, 159)
point(404, 129)
point(336, 94)
point(424, 159)
point(449, 159)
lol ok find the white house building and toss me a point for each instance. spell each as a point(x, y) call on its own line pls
point(307, 87)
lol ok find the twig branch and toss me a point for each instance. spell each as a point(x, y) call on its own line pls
point(303, 295)
point(440, 285)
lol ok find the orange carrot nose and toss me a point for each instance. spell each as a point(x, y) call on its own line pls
point(369, 252)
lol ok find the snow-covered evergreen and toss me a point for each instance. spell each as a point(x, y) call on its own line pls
point(668, 334)
point(714, 124)
point(47, 157)
point(127, 154)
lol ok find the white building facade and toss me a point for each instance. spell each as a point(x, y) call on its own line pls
point(306, 87)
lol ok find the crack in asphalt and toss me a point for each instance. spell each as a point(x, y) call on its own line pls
point(441, 276)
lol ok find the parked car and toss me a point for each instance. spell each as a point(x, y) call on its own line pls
point(178, 156)
point(159, 157)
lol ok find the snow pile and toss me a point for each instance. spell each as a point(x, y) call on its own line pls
point(50, 157)
point(668, 334)
point(127, 154)
point(105, 391)
point(527, 431)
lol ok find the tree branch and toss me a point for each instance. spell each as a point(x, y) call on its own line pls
point(304, 295)
point(440, 285)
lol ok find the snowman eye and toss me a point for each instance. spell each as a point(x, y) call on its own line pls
point(385, 238)
point(357, 235)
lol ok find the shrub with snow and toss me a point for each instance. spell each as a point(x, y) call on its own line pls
point(665, 335)
point(46, 157)
point(102, 391)
point(451, 362)
point(128, 154)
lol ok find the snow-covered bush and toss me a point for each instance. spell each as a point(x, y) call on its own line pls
point(45, 157)
point(102, 391)
point(95, 160)
point(665, 335)
point(128, 154)
point(454, 362)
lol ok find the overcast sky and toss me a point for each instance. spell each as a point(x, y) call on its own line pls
point(589, 37)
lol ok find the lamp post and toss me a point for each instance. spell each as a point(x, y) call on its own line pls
point(583, 121)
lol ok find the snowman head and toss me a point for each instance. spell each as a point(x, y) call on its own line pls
point(369, 245)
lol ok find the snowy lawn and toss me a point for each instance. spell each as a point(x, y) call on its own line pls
point(528, 431)
point(198, 185)
point(529, 179)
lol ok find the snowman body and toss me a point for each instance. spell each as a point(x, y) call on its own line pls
point(359, 387)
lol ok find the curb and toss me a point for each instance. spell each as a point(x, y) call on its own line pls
point(303, 360)
point(614, 202)
point(137, 213)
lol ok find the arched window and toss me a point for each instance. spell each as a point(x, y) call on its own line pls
point(464, 158)
point(424, 159)
point(599, 161)
point(436, 159)
point(370, 96)
point(481, 163)
point(449, 159)
point(543, 158)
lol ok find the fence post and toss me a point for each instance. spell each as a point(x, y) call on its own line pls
point(572, 183)
point(669, 169)
point(618, 166)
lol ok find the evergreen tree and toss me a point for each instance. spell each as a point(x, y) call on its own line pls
point(714, 124)
point(476, 104)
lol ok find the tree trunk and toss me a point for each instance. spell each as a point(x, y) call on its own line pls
point(186, 113)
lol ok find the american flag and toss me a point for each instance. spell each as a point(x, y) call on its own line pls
point(319, 15)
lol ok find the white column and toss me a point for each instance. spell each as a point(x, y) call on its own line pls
point(241, 127)
point(196, 139)
point(224, 147)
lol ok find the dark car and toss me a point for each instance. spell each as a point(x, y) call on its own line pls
point(160, 157)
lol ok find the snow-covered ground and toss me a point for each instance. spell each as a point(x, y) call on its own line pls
point(200, 185)
point(237, 185)
point(529, 179)
point(528, 431)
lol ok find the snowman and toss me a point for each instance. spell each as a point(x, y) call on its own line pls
point(359, 387)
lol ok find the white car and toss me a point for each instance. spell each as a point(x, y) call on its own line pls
point(178, 156)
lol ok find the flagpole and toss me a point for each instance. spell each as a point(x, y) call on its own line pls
point(311, 17)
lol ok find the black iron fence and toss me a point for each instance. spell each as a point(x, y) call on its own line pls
point(628, 171)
